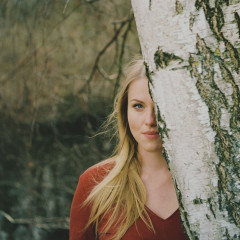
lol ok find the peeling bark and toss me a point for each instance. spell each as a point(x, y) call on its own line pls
point(192, 55)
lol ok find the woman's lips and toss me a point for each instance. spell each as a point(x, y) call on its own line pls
point(151, 134)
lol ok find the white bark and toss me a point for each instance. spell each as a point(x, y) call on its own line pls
point(192, 51)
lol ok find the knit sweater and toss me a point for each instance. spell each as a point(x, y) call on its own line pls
point(165, 229)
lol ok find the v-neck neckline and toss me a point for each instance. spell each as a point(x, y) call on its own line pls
point(156, 215)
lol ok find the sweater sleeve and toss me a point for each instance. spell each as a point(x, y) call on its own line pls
point(79, 214)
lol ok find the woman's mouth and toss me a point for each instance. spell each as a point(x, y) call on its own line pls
point(151, 134)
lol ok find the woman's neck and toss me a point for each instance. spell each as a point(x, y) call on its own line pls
point(152, 161)
point(154, 169)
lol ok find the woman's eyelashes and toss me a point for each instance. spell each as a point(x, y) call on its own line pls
point(138, 105)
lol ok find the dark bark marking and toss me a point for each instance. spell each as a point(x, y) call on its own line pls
point(165, 155)
point(184, 217)
point(228, 237)
point(179, 7)
point(228, 77)
point(191, 21)
point(227, 2)
point(227, 234)
point(233, 54)
point(214, 16)
point(162, 126)
point(215, 19)
point(237, 20)
point(207, 61)
point(197, 201)
point(163, 59)
point(150, 5)
point(148, 73)
point(211, 207)
point(225, 144)
point(208, 217)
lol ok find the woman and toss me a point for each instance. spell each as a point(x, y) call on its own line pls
point(130, 196)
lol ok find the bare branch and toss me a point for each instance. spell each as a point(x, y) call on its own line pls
point(105, 75)
point(40, 222)
point(66, 4)
point(121, 56)
point(112, 40)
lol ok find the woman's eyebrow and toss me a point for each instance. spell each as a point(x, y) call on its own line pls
point(136, 100)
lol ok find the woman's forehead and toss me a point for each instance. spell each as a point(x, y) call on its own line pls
point(138, 88)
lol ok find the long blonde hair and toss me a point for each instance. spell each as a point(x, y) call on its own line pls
point(121, 193)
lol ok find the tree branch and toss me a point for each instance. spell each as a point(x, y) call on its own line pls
point(40, 222)
point(103, 50)
point(121, 55)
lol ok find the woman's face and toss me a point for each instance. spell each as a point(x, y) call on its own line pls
point(141, 117)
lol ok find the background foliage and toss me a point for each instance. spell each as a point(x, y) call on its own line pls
point(61, 65)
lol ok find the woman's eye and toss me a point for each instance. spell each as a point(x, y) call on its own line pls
point(138, 106)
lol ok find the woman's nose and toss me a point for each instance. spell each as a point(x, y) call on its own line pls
point(151, 118)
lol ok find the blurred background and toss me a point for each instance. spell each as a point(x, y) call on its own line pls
point(61, 63)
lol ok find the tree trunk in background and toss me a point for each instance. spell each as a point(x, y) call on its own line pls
point(191, 50)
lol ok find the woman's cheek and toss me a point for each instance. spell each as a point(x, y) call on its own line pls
point(132, 120)
point(135, 125)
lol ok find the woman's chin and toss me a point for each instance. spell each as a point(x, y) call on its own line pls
point(152, 147)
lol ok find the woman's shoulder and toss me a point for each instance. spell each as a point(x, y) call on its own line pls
point(97, 172)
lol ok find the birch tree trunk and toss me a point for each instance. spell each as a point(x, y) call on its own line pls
point(191, 49)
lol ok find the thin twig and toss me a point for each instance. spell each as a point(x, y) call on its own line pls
point(41, 222)
point(66, 4)
point(105, 75)
point(121, 56)
point(95, 66)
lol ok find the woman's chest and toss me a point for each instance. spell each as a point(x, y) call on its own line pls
point(169, 228)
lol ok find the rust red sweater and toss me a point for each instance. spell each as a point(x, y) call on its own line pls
point(166, 229)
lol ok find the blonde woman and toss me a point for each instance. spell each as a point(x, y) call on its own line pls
point(130, 196)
